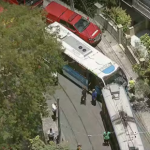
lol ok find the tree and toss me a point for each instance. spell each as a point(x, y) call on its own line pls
point(28, 57)
point(143, 69)
point(37, 144)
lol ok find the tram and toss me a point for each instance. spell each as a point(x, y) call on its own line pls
point(86, 66)
point(119, 120)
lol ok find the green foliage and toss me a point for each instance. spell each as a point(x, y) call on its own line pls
point(120, 17)
point(143, 69)
point(145, 39)
point(86, 6)
point(37, 144)
point(27, 61)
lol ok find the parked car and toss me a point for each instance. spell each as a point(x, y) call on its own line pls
point(32, 3)
point(76, 23)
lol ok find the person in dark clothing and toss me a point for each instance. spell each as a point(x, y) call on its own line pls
point(83, 97)
point(94, 97)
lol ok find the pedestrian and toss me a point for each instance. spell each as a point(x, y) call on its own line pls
point(51, 135)
point(54, 109)
point(106, 137)
point(132, 85)
point(83, 97)
point(79, 146)
point(94, 97)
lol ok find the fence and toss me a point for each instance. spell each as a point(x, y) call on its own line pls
point(109, 25)
point(122, 38)
point(138, 27)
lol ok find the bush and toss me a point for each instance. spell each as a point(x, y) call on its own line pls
point(145, 39)
point(120, 17)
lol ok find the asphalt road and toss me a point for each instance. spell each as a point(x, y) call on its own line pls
point(80, 124)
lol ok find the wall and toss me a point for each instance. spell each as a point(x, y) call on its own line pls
point(137, 28)
point(109, 25)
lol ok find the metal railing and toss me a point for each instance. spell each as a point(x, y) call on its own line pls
point(142, 7)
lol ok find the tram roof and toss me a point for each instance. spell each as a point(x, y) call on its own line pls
point(82, 52)
point(121, 116)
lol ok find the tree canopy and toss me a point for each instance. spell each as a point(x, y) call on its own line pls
point(28, 57)
point(37, 144)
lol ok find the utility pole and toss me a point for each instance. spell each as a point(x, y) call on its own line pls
point(59, 126)
point(72, 5)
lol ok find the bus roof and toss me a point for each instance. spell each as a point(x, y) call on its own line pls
point(82, 52)
point(121, 116)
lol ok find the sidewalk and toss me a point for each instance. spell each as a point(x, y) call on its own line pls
point(48, 121)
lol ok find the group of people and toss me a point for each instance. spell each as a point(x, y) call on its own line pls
point(51, 133)
point(83, 97)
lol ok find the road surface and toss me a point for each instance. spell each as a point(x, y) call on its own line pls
point(80, 124)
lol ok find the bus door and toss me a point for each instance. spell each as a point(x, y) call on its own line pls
point(95, 83)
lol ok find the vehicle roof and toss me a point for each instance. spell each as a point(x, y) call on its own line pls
point(55, 9)
point(116, 101)
point(88, 56)
point(70, 16)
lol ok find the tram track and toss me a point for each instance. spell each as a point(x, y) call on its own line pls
point(79, 118)
point(112, 55)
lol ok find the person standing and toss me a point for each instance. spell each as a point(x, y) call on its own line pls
point(106, 137)
point(132, 85)
point(83, 97)
point(54, 109)
point(79, 147)
point(94, 97)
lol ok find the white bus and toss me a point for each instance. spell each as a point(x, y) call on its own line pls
point(87, 67)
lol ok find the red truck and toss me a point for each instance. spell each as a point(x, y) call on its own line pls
point(74, 22)
point(32, 3)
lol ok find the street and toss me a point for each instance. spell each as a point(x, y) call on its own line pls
point(80, 124)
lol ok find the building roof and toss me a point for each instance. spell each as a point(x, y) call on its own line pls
point(121, 116)
point(82, 52)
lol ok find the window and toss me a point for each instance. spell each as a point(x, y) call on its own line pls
point(64, 23)
point(71, 27)
point(82, 24)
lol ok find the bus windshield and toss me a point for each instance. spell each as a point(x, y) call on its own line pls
point(118, 77)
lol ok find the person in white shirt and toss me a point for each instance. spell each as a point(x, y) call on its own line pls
point(51, 135)
point(54, 109)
